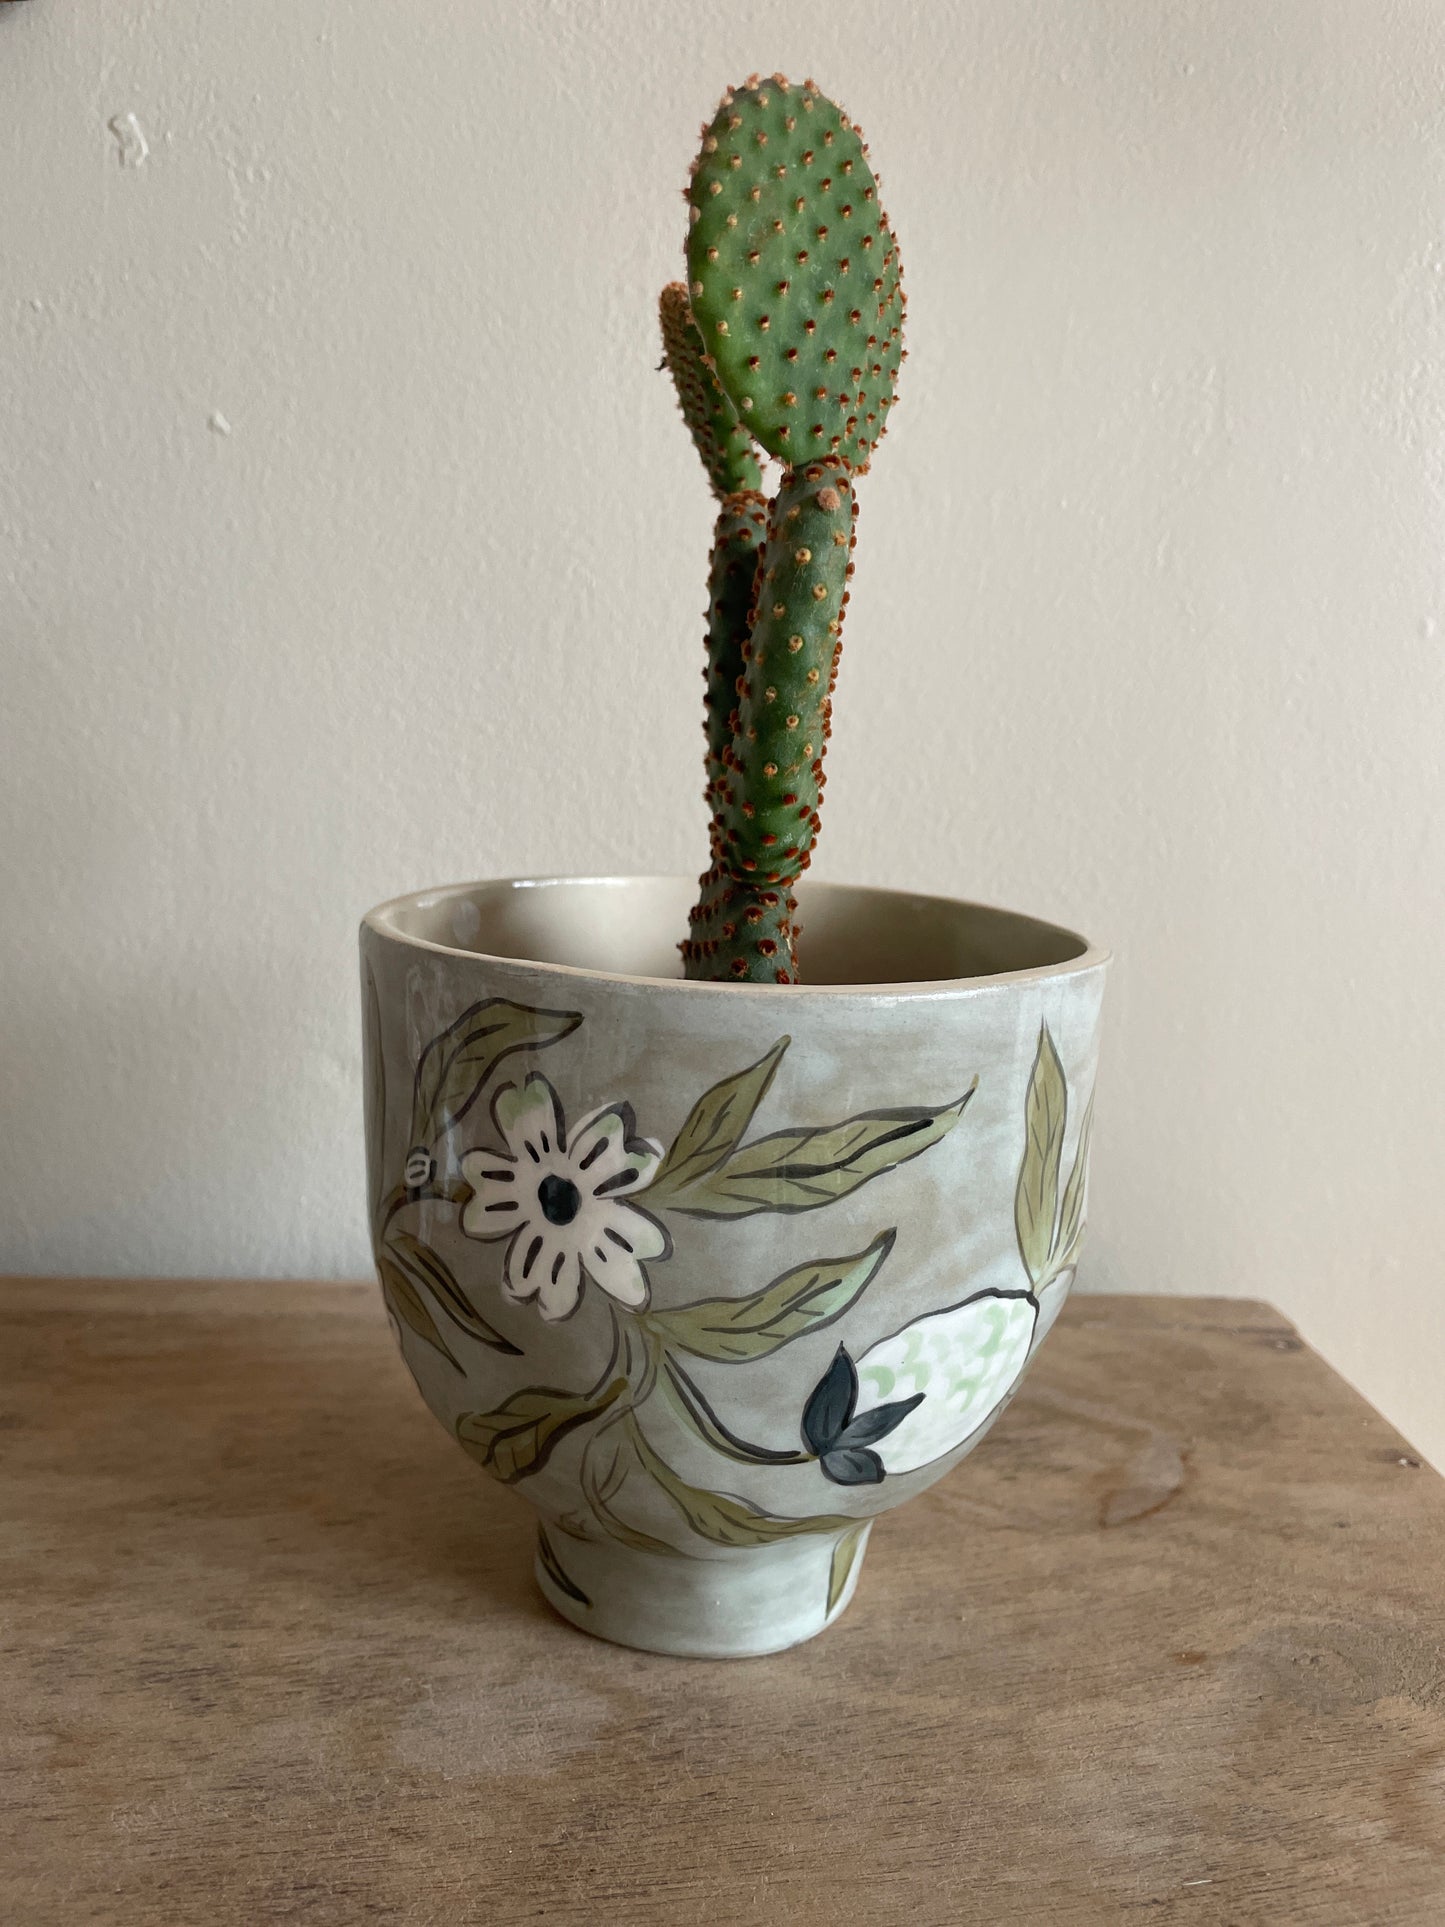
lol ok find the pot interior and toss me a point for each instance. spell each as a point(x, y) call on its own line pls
point(631, 926)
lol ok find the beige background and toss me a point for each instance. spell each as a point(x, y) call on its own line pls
point(348, 542)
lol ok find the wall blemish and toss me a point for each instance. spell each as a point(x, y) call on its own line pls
point(132, 147)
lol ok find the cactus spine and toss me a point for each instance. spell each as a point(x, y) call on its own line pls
point(789, 334)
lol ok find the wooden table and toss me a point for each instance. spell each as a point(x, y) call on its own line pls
point(1168, 1647)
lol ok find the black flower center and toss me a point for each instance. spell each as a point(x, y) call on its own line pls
point(559, 1198)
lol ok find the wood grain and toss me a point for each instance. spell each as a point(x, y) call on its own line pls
point(1169, 1646)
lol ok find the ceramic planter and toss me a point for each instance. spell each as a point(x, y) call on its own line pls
point(713, 1275)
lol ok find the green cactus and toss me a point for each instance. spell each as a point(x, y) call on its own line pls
point(789, 331)
point(794, 274)
point(740, 932)
point(720, 437)
point(742, 524)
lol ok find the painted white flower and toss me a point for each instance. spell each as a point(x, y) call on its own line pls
point(960, 1364)
point(564, 1200)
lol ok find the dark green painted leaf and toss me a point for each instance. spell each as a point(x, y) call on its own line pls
point(830, 1404)
point(719, 1518)
point(801, 1170)
point(866, 1428)
point(715, 1126)
point(409, 1306)
point(1036, 1201)
point(427, 1267)
point(852, 1465)
point(520, 1436)
point(455, 1065)
point(733, 1330)
point(845, 1557)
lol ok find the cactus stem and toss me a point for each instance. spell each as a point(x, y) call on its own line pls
point(754, 755)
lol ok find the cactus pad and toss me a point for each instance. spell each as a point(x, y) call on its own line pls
point(720, 438)
point(794, 275)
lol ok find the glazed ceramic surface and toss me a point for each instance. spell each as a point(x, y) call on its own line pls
point(711, 1274)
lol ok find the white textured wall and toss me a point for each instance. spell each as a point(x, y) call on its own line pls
point(348, 542)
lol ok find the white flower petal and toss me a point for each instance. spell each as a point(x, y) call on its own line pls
point(527, 1260)
point(561, 1287)
point(529, 1117)
point(633, 1231)
point(618, 1273)
point(965, 1361)
point(543, 1176)
point(498, 1204)
point(608, 1156)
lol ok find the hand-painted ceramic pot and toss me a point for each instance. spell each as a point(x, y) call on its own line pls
point(714, 1274)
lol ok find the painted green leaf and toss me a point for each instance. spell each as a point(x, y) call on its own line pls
point(719, 1518)
point(555, 1571)
point(801, 1170)
point(715, 1126)
point(845, 1557)
point(455, 1065)
point(733, 1330)
point(1036, 1201)
point(375, 1093)
point(410, 1307)
point(609, 1458)
point(520, 1436)
point(576, 1525)
point(1071, 1217)
point(423, 1266)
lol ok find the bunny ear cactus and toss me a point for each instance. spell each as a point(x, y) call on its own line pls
point(787, 335)
point(720, 438)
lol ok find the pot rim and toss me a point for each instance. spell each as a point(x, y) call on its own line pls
point(381, 920)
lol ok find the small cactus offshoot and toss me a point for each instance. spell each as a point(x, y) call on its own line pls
point(787, 338)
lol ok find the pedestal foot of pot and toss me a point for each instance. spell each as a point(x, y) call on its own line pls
point(742, 1602)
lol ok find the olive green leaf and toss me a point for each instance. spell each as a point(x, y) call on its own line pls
point(1036, 1201)
point(1071, 1217)
point(423, 1266)
point(552, 1566)
point(575, 1524)
point(375, 1092)
point(456, 1064)
point(803, 1300)
point(715, 1126)
point(845, 1557)
point(520, 1436)
point(410, 1307)
point(606, 1463)
point(719, 1518)
point(801, 1170)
